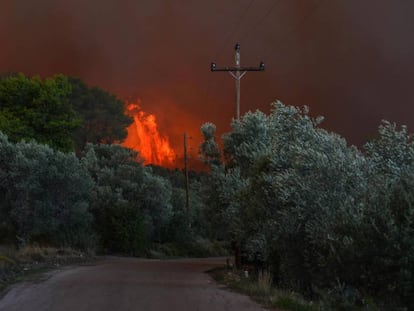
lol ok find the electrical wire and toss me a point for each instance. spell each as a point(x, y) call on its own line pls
point(227, 39)
point(270, 50)
point(261, 20)
point(235, 27)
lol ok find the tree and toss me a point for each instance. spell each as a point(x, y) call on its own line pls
point(46, 194)
point(390, 210)
point(32, 108)
point(324, 216)
point(102, 115)
point(7, 156)
point(155, 199)
point(125, 187)
point(210, 152)
point(59, 111)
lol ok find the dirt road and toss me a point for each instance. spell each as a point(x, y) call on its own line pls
point(119, 284)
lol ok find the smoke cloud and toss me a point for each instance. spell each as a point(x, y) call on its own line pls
point(350, 61)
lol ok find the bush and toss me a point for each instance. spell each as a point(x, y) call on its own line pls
point(317, 211)
point(124, 230)
point(46, 194)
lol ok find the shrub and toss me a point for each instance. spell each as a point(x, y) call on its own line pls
point(317, 211)
point(124, 230)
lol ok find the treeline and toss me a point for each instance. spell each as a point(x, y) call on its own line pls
point(62, 183)
point(325, 218)
point(328, 220)
point(104, 200)
point(62, 112)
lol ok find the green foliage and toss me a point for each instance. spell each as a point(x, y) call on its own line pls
point(32, 108)
point(288, 301)
point(102, 115)
point(121, 181)
point(250, 138)
point(194, 247)
point(51, 197)
point(178, 228)
point(390, 210)
point(317, 211)
point(260, 288)
point(124, 230)
point(107, 197)
point(183, 224)
point(118, 180)
point(210, 152)
point(45, 194)
point(222, 209)
point(59, 111)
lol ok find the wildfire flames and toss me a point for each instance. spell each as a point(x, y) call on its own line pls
point(143, 136)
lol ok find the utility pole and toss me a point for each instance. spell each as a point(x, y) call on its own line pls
point(237, 72)
point(187, 204)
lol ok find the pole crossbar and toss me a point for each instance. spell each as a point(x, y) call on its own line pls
point(238, 68)
point(237, 72)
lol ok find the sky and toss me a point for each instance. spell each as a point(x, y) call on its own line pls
point(348, 60)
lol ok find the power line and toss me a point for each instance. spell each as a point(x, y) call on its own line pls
point(261, 20)
point(234, 29)
point(228, 37)
point(275, 42)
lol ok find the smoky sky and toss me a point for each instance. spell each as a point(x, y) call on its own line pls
point(348, 60)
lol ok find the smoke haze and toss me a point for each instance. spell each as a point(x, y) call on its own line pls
point(351, 61)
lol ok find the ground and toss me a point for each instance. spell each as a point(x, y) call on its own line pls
point(129, 284)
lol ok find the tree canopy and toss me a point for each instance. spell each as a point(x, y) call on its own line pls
point(328, 219)
point(44, 194)
point(32, 108)
point(102, 115)
point(61, 112)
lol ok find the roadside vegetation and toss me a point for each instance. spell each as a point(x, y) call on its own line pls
point(28, 262)
point(260, 287)
point(325, 219)
point(322, 218)
point(64, 186)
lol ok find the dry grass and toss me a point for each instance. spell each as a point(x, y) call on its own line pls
point(34, 259)
point(40, 254)
point(264, 282)
point(261, 289)
point(7, 255)
point(5, 261)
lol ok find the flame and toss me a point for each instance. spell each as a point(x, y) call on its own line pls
point(143, 136)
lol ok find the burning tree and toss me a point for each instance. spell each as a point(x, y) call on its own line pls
point(144, 137)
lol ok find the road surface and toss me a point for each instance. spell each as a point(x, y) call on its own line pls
point(118, 284)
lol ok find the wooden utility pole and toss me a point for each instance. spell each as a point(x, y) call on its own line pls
point(237, 72)
point(187, 203)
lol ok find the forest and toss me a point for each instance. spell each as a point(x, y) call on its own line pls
point(328, 220)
